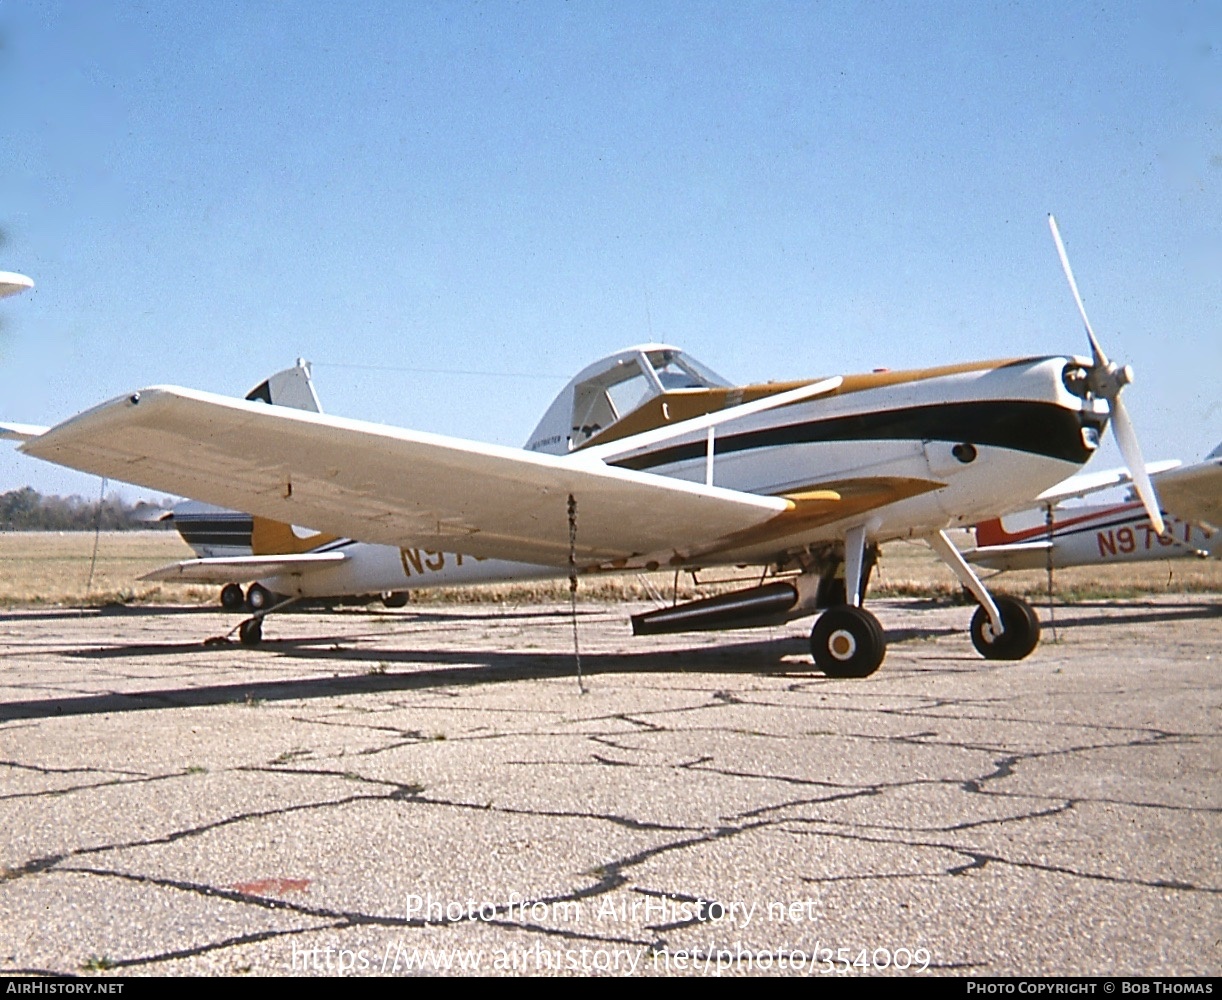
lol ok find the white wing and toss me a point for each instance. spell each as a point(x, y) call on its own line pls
point(382, 484)
point(1194, 492)
point(1189, 492)
point(1092, 482)
point(12, 284)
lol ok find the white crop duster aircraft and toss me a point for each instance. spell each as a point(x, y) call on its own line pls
point(647, 460)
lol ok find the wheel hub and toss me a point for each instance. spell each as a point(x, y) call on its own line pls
point(841, 644)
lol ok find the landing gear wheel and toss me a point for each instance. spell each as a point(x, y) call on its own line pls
point(250, 632)
point(258, 597)
point(1020, 630)
point(848, 641)
point(395, 599)
point(231, 597)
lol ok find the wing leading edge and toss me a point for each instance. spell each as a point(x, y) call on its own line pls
point(1194, 492)
point(386, 485)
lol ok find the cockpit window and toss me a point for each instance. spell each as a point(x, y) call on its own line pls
point(614, 393)
point(677, 371)
point(602, 400)
point(627, 395)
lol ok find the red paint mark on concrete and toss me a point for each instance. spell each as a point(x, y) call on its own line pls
point(271, 886)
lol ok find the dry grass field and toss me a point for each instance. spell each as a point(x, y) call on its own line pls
point(50, 568)
point(910, 568)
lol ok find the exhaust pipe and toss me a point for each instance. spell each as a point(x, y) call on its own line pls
point(755, 607)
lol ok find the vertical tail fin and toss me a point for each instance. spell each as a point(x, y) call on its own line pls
point(292, 387)
point(992, 533)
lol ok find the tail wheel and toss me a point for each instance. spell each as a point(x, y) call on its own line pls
point(250, 632)
point(395, 599)
point(1020, 630)
point(258, 597)
point(848, 641)
point(231, 597)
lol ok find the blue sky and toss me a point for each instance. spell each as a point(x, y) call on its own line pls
point(474, 200)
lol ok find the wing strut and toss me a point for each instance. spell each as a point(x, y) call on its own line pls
point(1050, 524)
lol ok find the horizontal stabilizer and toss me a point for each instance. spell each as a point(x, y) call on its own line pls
point(971, 554)
point(242, 569)
point(1020, 555)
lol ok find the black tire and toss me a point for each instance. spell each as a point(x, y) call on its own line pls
point(848, 641)
point(395, 599)
point(1020, 630)
point(250, 632)
point(232, 598)
point(259, 598)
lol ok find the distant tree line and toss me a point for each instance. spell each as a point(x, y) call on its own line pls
point(28, 510)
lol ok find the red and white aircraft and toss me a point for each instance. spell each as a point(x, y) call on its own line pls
point(647, 460)
point(1098, 534)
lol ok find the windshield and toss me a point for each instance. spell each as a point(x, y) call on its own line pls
point(628, 381)
point(676, 370)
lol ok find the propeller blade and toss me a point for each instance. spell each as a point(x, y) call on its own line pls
point(1106, 381)
point(1096, 350)
point(1126, 437)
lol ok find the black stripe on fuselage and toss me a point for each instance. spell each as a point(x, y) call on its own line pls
point(216, 538)
point(1020, 425)
point(215, 530)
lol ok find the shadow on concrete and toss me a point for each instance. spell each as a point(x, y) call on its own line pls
point(435, 668)
point(443, 668)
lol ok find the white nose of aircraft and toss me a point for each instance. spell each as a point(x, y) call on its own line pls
point(11, 283)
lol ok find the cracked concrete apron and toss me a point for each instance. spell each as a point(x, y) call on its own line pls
point(428, 791)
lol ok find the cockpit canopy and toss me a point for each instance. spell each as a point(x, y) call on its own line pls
point(610, 389)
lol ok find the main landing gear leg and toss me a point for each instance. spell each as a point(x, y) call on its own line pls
point(848, 641)
point(1003, 628)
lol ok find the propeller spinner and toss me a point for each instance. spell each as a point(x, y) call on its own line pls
point(1105, 379)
